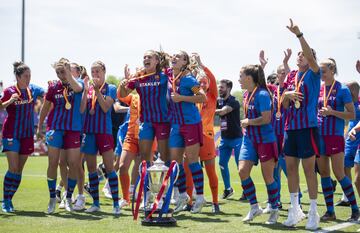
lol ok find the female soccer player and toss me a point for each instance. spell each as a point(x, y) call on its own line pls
point(334, 99)
point(18, 129)
point(186, 128)
point(151, 85)
point(63, 128)
point(207, 150)
point(98, 135)
point(259, 141)
point(301, 138)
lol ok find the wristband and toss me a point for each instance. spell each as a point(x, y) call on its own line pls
point(299, 35)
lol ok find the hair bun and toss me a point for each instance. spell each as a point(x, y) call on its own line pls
point(16, 64)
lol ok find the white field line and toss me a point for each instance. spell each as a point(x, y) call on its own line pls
point(336, 227)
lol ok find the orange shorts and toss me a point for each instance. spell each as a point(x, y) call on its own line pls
point(131, 144)
point(207, 150)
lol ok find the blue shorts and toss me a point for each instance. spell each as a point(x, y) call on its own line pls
point(248, 151)
point(121, 134)
point(63, 139)
point(148, 131)
point(94, 143)
point(23, 146)
point(351, 148)
point(301, 143)
point(357, 157)
point(254, 152)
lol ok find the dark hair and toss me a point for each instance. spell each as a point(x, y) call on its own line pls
point(19, 68)
point(258, 76)
point(83, 72)
point(76, 66)
point(227, 82)
point(354, 90)
point(333, 65)
point(271, 79)
point(99, 63)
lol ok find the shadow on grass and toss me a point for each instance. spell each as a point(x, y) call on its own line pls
point(200, 219)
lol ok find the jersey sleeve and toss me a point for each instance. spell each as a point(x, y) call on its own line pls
point(112, 91)
point(193, 84)
point(50, 93)
point(132, 84)
point(212, 86)
point(346, 95)
point(234, 104)
point(6, 95)
point(126, 100)
point(37, 91)
point(264, 101)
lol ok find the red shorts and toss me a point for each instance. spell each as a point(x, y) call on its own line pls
point(162, 130)
point(185, 135)
point(92, 143)
point(207, 150)
point(267, 151)
point(330, 145)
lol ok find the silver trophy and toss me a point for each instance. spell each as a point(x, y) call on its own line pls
point(157, 174)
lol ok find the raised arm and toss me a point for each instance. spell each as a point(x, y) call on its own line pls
point(287, 55)
point(305, 46)
point(263, 61)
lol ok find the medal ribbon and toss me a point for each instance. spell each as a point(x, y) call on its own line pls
point(326, 97)
point(28, 92)
point(247, 101)
point(94, 97)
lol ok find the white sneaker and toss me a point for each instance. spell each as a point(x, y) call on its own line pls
point(116, 210)
point(274, 215)
point(51, 206)
point(267, 209)
point(183, 200)
point(107, 191)
point(254, 212)
point(92, 209)
point(313, 220)
point(80, 202)
point(295, 215)
point(198, 205)
point(62, 203)
point(68, 205)
point(175, 197)
point(123, 203)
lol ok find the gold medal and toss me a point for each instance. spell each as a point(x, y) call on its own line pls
point(278, 115)
point(297, 104)
point(68, 106)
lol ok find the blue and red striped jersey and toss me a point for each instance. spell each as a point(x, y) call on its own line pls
point(60, 118)
point(185, 112)
point(100, 121)
point(152, 91)
point(306, 115)
point(339, 96)
point(260, 102)
point(19, 122)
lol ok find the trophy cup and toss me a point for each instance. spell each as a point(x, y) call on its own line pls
point(161, 179)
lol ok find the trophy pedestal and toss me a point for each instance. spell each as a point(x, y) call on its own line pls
point(165, 220)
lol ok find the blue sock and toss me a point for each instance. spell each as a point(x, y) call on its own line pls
point(328, 192)
point(52, 187)
point(198, 177)
point(347, 187)
point(181, 180)
point(15, 185)
point(277, 178)
point(8, 179)
point(273, 194)
point(249, 190)
point(94, 188)
point(70, 187)
point(114, 187)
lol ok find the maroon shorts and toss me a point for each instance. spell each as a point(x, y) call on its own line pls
point(23, 146)
point(330, 145)
point(267, 151)
point(185, 135)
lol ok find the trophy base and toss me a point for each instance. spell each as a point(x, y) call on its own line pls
point(166, 220)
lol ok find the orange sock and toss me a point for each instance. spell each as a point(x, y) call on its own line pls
point(189, 181)
point(125, 185)
point(213, 181)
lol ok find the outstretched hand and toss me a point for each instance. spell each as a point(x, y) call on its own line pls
point(262, 59)
point(293, 28)
point(358, 66)
point(287, 55)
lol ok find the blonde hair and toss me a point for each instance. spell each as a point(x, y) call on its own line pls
point(99, 64)
point(331, 64)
